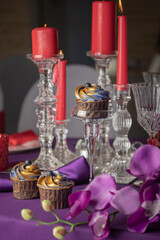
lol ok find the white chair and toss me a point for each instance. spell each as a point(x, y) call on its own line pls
point(17, 74)
point(77, 74)
point(27, 117)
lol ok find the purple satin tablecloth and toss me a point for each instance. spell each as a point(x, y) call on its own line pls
point(13, 227)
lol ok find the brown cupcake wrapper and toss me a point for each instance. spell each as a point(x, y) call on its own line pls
point(57, 197)
point(25, 189)
point(92, 109)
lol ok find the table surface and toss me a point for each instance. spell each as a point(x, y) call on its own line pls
point(12, 226)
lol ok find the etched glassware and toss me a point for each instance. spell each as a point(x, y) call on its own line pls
point(121, 123)
point(151, 77)
point(147, 101)
point(46, 112)
point(61, 150)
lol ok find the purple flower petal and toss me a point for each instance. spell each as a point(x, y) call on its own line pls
point(83, 196)
point(77, 202)
point(145, 162)
point(99, 223)
point(126, 200)
point(149, 190)
point(138, 222)
point(103, 188)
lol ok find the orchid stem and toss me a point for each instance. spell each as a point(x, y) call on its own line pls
point(44, 223)
point(113, 215)
point(87, 210)
point(51, 223)
point(60, 221)
point(76, 224)
point(56, 216)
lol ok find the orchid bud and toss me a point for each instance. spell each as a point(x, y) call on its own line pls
point(59, 232)
point(26, 214)
point(46, 205)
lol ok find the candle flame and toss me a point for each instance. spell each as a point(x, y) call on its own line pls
point(60, 52)
point(120, 6)
point(45, 25)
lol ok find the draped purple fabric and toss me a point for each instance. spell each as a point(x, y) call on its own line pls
point(77, 170)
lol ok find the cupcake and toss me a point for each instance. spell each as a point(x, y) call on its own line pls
point(55, 187)
point(92, 101)
point(24, 178)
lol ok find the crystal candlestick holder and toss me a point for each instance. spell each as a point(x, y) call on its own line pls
point(121, 123)
point(91, 134)
point(61, 150)
point(46, 111)
point(106, 152)
point(102, 63)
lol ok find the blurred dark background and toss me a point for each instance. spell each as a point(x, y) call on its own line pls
point(73, 21)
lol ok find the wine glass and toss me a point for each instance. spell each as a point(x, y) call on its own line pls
point(151, 77)
point(154, 78)
point(147, 101)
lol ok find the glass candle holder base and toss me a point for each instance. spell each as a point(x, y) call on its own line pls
point(134, 146)
point(117, 169)
point(106, 153)
point(46, 160)
point(81, 148)
point(61, 150)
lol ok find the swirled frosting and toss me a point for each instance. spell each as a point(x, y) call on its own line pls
point(54, 179)
point(91, 92)
point(25, 171)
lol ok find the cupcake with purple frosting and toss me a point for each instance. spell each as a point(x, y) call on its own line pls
point(92, 101)
point(55, 187)
point(24, 178)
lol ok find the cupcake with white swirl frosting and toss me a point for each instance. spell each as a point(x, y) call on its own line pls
point(92, 101)
point(55, 187)
point(24, 178)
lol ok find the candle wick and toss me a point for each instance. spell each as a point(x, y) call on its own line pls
point(120, 13)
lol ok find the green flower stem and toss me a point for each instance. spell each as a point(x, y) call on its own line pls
point(76, 224)
point(60, 221)
point(56, 216)
point(66, 222)
point(52, 223)
point(87, 210)
point(44, 223)
point(113, 215)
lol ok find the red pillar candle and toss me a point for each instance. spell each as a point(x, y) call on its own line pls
point(122, 73)
point(61, 91)
point(103, 27)
point(44, 42)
